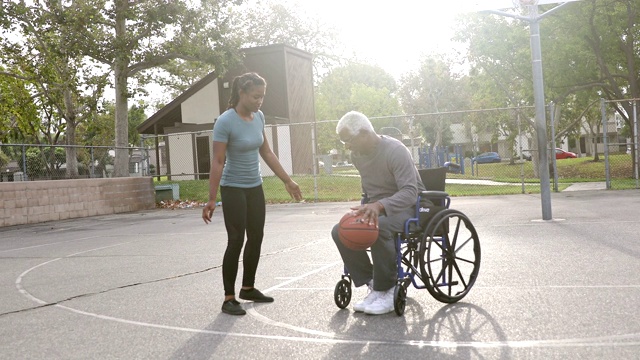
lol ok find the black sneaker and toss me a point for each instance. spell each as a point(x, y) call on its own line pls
point(232, 307)
point(254, 295)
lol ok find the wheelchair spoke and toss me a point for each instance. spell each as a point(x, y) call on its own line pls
point(436, 280)
point(438, 243)
point(464, 283)
point(455, 236)
point(463, 244)
point(466, 260)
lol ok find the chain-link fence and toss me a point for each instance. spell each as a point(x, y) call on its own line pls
point(486, 152)
point(30, 162)
point(618, 142)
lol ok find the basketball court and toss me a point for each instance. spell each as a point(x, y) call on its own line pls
point(149, 285)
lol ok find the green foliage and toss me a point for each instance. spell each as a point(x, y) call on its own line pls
point(432, 89)
point(4, 159)
point(42, 161)
point(45, 53)
point(267, 23)
point(18, 112)
point(70, 47)
point(589, 51)
point(136, 117)
point(365, 88)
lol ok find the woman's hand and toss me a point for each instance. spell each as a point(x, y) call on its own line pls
point(294, 190)
point(207, 211)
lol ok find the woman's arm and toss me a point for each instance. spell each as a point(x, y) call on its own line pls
point(272, 161)
point(215, 174)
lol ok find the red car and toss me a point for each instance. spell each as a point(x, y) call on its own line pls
point(561, 154)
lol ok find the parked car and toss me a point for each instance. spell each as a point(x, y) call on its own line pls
point(525, 156)
point(488, 157)
point(561, 154)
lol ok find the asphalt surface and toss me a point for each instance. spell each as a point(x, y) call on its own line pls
point(148, 285)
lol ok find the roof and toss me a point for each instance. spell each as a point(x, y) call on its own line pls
point(171, 113)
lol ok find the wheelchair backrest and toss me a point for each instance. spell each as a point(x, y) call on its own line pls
point(434, 179)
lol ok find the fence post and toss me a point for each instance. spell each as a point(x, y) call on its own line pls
point(635, 139)
point(552, 115)
point(314, 156)
point(606, 147)
point(24, 162)
point(93, 166)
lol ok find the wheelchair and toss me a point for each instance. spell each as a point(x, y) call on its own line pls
point(440, 253)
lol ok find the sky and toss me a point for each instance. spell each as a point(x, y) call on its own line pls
point(396, 35)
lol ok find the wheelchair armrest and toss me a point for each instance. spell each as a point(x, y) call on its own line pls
point(432, 194)
point(440, 198)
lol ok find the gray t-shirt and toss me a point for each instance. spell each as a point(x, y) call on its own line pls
point(389, 175)
point(243, 139)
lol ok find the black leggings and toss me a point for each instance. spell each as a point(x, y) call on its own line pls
point(244, 211)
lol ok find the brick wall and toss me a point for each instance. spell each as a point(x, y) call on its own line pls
point(31, 202)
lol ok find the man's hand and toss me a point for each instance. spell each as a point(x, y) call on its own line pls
point(369, 212)
point(207, 211)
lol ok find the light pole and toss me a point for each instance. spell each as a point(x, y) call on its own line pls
point(533, 18)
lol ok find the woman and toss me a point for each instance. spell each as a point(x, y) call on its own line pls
point(238, 138)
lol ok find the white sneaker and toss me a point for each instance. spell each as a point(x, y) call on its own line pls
point(383, 303)
point(368, 300)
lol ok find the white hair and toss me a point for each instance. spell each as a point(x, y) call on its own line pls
point(354, 121)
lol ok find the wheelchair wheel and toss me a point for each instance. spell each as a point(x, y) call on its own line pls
point(399, 299)
point(342, 293)
point(449, 256)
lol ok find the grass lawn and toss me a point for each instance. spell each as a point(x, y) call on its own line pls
point(344, 183)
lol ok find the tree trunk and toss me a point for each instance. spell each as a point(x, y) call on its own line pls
point(71, 153)
point(121, 63)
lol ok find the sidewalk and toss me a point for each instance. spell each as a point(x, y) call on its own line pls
point(587, 186)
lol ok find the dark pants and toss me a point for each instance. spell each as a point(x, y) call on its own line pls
point(244, 211)
point(384, 270)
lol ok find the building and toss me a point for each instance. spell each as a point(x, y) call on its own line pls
point(288, 106)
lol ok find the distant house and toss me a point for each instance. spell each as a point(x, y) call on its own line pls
point(187, 120)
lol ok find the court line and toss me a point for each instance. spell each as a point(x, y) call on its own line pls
point(332, 338)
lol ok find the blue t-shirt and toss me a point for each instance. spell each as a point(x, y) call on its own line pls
point(243, 139)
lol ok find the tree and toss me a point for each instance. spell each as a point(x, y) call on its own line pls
point(595, 47)
point(44, 53)
point(134, 36)
point(266, 23)
point(434, 88)
point(128, 37)
point(365, 88)
point(261, 23)
point(18, 112)
point(589, 50)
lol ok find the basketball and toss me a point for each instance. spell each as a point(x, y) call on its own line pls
point(356, 234)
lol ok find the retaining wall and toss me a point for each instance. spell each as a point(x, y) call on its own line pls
point(29, 202)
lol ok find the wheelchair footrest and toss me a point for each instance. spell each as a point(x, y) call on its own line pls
point(453, 283)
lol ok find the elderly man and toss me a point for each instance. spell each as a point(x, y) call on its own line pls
point(392, 184)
